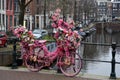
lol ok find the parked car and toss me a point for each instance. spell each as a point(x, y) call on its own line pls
point(3, 39)
point(39, 33)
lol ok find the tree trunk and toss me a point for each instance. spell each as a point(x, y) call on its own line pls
point(23, 5)
point(21, 17)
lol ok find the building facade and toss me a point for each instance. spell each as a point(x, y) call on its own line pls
point(16, 13)
point(38, 12)
point(9, 14)
point(3, 15)
point(115, 8)
point(102, 10)
point(108, 10)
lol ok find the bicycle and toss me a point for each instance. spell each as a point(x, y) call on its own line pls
point(36, 56)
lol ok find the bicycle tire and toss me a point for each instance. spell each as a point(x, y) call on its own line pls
point(34, 65)
point(73, 68)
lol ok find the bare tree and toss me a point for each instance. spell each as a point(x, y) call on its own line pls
point(88, 7)
point(23, 4)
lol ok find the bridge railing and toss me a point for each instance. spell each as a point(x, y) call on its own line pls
point(113, 60)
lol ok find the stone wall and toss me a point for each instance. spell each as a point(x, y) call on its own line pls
point(5, 58)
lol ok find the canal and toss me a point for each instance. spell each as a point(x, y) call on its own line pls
point(100, 53)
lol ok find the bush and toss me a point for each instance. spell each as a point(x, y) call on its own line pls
point(48, 38)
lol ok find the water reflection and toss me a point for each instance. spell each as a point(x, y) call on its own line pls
point(103, 53)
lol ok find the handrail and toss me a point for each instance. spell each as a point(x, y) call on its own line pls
point(113, 62)
point(100, 44)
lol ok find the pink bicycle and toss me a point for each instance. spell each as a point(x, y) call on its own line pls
point(68, 61)
point(36, 56)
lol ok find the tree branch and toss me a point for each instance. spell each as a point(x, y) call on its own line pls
point(28, 3)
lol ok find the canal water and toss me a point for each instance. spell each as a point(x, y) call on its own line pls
point(102, 53)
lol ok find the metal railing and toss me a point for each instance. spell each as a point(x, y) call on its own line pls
point(113, 61)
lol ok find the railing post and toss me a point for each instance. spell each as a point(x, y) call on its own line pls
point(113, 74)
point(14, 64)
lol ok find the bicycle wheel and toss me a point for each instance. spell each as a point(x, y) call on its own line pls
point(33, 61)
point(71, 66)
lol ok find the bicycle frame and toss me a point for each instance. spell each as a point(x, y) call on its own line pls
point(58, 52)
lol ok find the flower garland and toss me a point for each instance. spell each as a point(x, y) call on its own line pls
point(24, 34)
point(64, 30)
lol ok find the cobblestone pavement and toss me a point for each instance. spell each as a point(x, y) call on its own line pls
point(21, 75)
point(6, 73)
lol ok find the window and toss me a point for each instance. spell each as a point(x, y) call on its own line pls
point(3, 18)
point(0, 4)
point(10, 20)
point(7, 5)
point(37, 10)
point(10, 7)
point(3, 4)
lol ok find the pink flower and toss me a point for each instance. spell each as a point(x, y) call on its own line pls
point(29, 32)
point(66, 25)
point(56, 14)
point(71, 23)
point(58, 10)
point(56, 35)
point(18, 31)
point(18, 35)
point(60, 21)
point(54, 25)
point(54, 18)
point(71, 26)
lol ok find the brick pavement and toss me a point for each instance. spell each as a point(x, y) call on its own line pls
point(21, 75)
point(6, 73)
